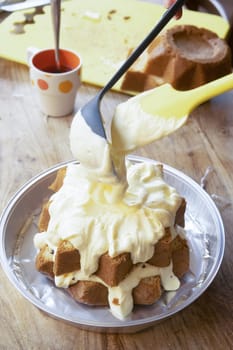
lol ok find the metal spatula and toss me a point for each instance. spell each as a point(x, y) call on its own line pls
point(56, 19)
point(91, 111)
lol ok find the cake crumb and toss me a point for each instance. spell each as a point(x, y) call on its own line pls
point(115, 301)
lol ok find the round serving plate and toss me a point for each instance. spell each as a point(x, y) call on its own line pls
point(18, 225)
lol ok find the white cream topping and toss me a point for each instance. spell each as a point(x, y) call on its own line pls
point(99, 212)
point(98, 218)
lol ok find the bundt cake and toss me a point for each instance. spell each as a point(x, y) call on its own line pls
point(115, 277)
point(185, 56)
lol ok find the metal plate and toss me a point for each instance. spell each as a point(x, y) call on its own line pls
point(18, 225)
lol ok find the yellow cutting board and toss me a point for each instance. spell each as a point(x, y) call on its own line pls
point(102, 31)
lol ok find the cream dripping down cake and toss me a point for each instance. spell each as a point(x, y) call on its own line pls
point(114, 238)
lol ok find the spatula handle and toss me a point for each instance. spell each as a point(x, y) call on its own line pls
point(144, 44)
point(214, 88)
point(56, 18)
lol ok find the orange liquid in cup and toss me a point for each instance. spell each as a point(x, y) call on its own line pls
point(54, 69)
point(45, 61)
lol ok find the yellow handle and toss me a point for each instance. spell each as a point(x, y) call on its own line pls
point(211, 89)
point(168, 103)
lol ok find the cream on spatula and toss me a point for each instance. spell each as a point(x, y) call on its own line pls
point(140, 120)
point(156, 113)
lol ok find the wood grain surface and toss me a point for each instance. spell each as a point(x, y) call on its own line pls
point(30, 143)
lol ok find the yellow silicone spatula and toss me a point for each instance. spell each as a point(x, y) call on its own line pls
point(167, 102)
point(159, 112)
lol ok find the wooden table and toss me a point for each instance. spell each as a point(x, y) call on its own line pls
point(30, 143)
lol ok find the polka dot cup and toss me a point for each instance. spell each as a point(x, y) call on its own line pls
point(56, 90)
